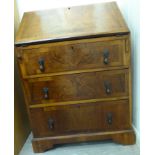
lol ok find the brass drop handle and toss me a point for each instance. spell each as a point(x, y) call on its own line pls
point(107, 86)
point(46, 94)
point(106, 56)
point(41, 64)
point(50, 123)
point(109, 118)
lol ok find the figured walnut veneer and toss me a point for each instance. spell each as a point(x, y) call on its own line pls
point(75, 65)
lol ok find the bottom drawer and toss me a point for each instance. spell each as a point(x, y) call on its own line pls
point(80, 118)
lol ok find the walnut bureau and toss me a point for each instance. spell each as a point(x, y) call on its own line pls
point(76, 74)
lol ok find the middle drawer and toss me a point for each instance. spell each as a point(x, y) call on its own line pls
point(82, 86)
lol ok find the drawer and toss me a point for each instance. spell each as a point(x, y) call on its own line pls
point(83, 86)
point(76, 56)
point(72, 119)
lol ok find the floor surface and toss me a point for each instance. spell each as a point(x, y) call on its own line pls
point(90, 148)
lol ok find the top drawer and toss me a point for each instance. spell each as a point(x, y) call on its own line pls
point(75, 55)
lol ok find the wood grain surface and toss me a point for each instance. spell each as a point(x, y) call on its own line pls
point(79, 86)
point(125, 137)
point(74, 92)
point(80, 118)
point(71, 22)
point(73, 57)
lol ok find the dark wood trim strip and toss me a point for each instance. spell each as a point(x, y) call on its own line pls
point(75, 72)
point(83, 135)
point(43, 41)
point(77, 102)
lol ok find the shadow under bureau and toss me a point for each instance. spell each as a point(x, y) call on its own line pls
point(76, 74)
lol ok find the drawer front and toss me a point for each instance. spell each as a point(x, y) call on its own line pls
point(73, 87)
point(78, 56)
point(71, 119)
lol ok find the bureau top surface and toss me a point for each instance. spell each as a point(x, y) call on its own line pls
point(69, 23)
